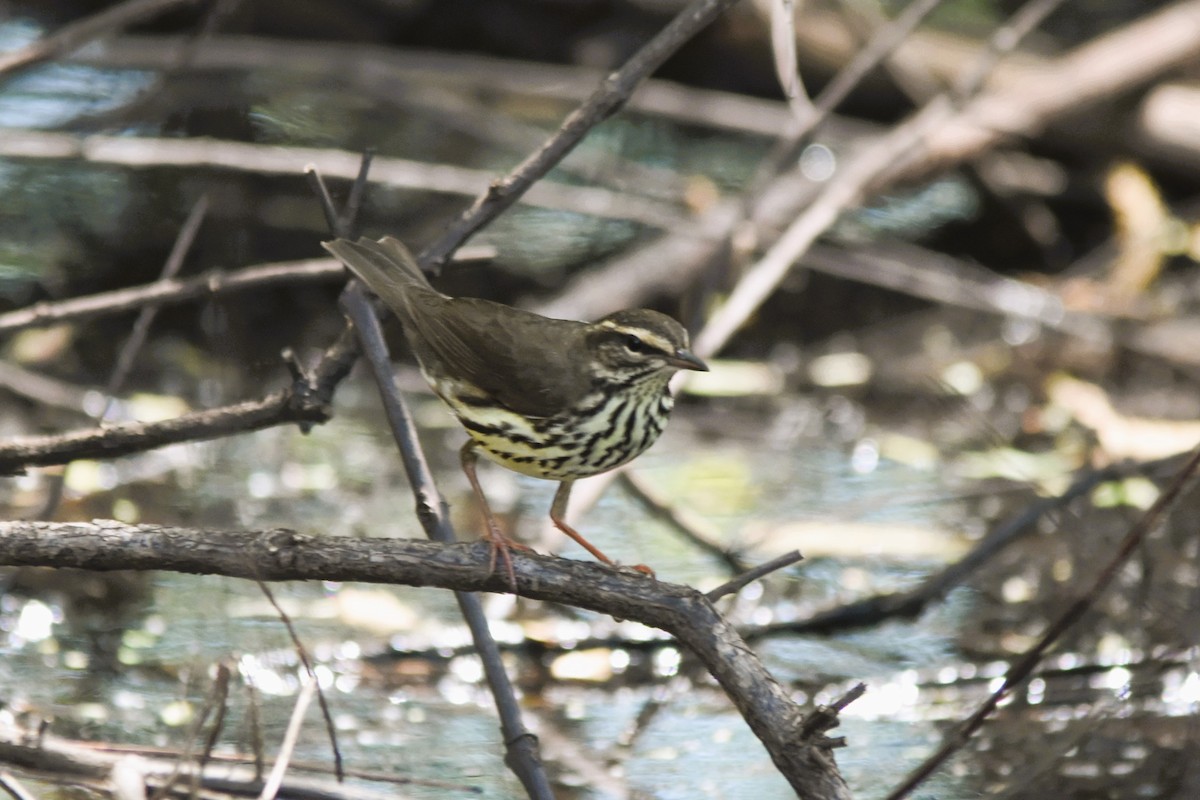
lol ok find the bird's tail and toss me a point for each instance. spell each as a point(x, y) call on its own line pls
point(386, 266)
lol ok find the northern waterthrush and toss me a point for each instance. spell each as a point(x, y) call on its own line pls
point(551, 398)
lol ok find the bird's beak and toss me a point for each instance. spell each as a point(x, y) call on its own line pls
point(684, 359)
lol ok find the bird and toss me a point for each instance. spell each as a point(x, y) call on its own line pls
point(552, 398)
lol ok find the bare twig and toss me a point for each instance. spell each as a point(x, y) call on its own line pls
point(306, 661)
point(11, 785)
point(317, 184)
point(877, 608)
point(221, 701)
point(218, 699)
point(48, 392)
point(1004, 40)
point(602, 104)
point(885, 41)
point(211, 284)
point(920, 272)
point(263, 159)
point(254, 722)
point(751, 575)
point(76, 34)
point(1023, 667)
point(169, 292)
point(358, 190)
point(124, 438)
point(825, 718)
point(290, 737)
point(141, 326)
point(660, 508)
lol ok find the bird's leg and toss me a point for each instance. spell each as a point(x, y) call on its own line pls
point(558, 513)
point(500, 543)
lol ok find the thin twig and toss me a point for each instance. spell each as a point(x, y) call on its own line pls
point(750, 575)
point(1023, 667)
point(216, 699)
point(11, 785)
point(354, 200)
point(262, 159)
point(849, 187)
point(306, 661)
point(825, 718)
point(1004, 40)
point(224, 675)
point(275, 779)
point(169, 292)
point(135, 437)
point(317, 184)
point(43, 390)
point(76, 34)
point(656, 505)
point(602, 104)
point(877, 608)
point(141, 326)
point(214, 283)
point(885, 41)
point(254, 721)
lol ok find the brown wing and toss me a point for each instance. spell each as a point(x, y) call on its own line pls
point(531, 364)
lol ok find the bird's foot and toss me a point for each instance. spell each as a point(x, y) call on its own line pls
point(502, 547)
point(642, 568)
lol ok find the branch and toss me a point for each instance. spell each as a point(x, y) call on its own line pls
point(173, 291)
point(803, 756)
point(602, 104)
point(76, 34)
point(1023, 103)
point(1023, 666)
point(854, 183)
point(122, 439)
point(909, 604)
point(306, 402)
point(521, 754)
point(377, 70)
point(396, 173)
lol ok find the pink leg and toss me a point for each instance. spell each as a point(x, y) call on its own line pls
point(500, 543)
point(558, 511)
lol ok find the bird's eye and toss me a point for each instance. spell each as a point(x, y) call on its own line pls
point(634, 345)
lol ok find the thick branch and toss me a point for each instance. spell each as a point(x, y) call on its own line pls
point(801, 755)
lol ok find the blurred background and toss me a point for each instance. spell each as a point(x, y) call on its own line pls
point(968, 389)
